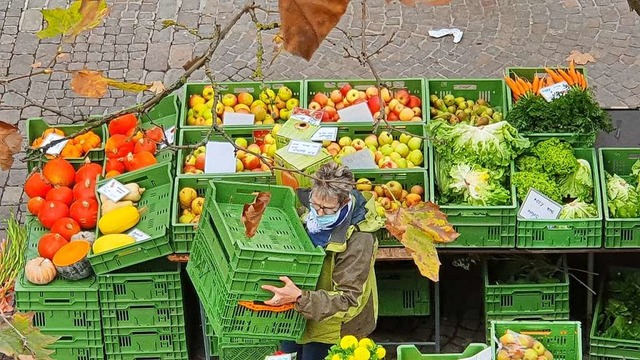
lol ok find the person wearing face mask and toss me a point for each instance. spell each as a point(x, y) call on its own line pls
point(338, 218)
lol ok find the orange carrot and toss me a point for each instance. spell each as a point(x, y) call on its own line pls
point(555, 76)
point(565, 76)
point(536, 84)
point(514, 88)
point(572, 68)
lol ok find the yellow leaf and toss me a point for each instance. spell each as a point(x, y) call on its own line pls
point(92, 12)
point(424, 253)
point(80, 16)
point(89, 83)
point(127, 86)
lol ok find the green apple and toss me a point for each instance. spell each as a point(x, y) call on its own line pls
point(292, 103)
point(410, 165)
point(371, 141)
point(373, 148)
point(348, 150)
point(209, 104)
point(242, 142)
point(284, 93)
point(207, 114)
point(344, 141)
point(402, 163)
point(402, 149)
point(404, 138)
point(199, 109)
point(416, 157)
point(190, 113)
point(395, 143)
point(395, 156)
point(385, 138)
point(285, 114)
point(386, 149)
point(415, 143)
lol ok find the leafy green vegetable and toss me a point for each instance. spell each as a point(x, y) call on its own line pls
point(578, 185)
point(529, 163)
point(635, 171)
point(477, 186)
point(621, 317)
point(575, 112)
point(578, 210)
point(557, 157)
point(525, 180)
point(623, 199)
point(491, 145)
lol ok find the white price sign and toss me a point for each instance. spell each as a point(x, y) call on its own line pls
point(325, 133)
point(361, 159)
point(356, 113)
point(554, 91)
point(57, 148)
point(113, 190)
point(139, 235)
point(537, 206)
point(220, 158)
point(304, 148)
point(230, 118)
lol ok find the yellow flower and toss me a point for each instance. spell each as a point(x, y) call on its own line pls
point(381, 352)
point(336, 357)
point(366, 343)
point(348, 342)
point(361, 354)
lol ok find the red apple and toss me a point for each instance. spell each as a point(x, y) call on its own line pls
point(374, 104)
point(414, 101)
point(200, 161)
point(372, 91)
point(330, 114)
point(251, 162)
point(345, 89)
point(392, 117)
point(321, 99)
point(403, 96)
point(336, 96)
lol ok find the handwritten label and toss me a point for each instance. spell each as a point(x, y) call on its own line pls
point(485, 354)
point(113, 190)
point(554, 91)
point(230, 118)
point(313, 117)
point(356, 113)
point(220, 158)
point(537, 206)
point(304, 148)
point(139, 235)
point(325, 133)
point(359, 160)
point(57, 148)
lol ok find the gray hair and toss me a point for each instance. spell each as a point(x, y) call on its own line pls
point(333, 181)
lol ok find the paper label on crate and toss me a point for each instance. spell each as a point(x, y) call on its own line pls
point(113, 190)
point(139, 235)
point(485, 354)
point(220, 158)
point(281, 357)
point(537, 206)
point(170, 136)
point(361, 159)
point(230, 118)
point(304, 148)
point(356, 113)
point(325, 133)
point(57, 148)
point(554, 91)
point(305, 115)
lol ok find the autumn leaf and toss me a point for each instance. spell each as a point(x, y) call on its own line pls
point(634, 5)
point(156, 87)
point(92, 12)
point(252, 213)
point(81, 15)
point(306, 23)
point(11, 345)
point(580, 58)
point(89, 83)
point(10, 144)
point(127, 86)
point(423, 2)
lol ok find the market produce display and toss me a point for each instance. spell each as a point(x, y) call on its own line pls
point(523, 87)
point(460, 110)
point(76, 147)
point(514, 346)
point(191, 205)
point(350, 348)
point(403, 151)
point(398, 105)
point(390, 196)
point(620, 317)
point(624, 196)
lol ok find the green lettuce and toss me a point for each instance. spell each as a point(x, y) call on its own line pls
point(623, 198)
point(578, 210)
point(557, 157)
point(476, 185)
point(525, 180)
point(579, 184)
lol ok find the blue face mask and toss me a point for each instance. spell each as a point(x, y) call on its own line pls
point(324, 220)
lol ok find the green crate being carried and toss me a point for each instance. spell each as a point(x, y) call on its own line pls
point(563, 339)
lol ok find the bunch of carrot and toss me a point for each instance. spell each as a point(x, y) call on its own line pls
point(520, 86)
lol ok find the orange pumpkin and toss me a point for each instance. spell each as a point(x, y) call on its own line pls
point(66, 226)
point(122, 124)
point(71, 150)
point(85, 189)
point(35, 204)
point(145, 144)
point(135, 134)
point(37, 186)
point(118, 146)
point(49, 244)
point(140, 160)
point(112, 173)
point(59, 172)
point(114, 165)
point(88, 171)
point(85, 212)
point(60, 193)
point(52, 130)
point(52, 211)
point(155, 134)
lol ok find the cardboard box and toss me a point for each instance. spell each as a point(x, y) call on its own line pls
point(306, 163)
point(294, 130)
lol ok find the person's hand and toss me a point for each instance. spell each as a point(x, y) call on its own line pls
point(287, 294)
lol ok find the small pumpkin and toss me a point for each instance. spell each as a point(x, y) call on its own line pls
point(89, 236)
point(155, 134)
point(85, 212)
point(71, 260)
point(60, 193)
point(71, 150)
point(40, 271)
point(37, 185)
point(88, 171)
point(85, 189)
point(35, 204)
point(135, 134)
point(112, 173)
point(66, 226)
point(145, 144)
point(59, 172)
point(52, 211)
point(52, 130)
point(114, 164)
point(138, 161)
point(49, 244)
point(122, 124)
point(118, 146)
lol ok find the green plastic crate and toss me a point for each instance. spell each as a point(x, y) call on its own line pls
point(491, 90)
point(77, 351)
point(580, 233)
point(415, 86)
point(142, 341)
point(155, 221)
point(36, 126)
point(166, 115)
point(576, 140)
point(618, 233)
point(252, 87)
point(601, 347)
point(164, 156)
point(147, 355)
point(411, 352)
point(194, 135)
point(75, 338)
point(153, 281)
point(151, 314)
point(486, 227)
point(562, 338)
point(402, 291)
point(183, 234)
point(545, 301)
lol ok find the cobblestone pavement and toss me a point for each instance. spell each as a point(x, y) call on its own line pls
point(497, 33)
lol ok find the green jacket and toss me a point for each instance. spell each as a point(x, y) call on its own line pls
point(345, 301)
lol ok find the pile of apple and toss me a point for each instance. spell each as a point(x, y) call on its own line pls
point(388, 153)
point(391, 195)
point(267, 108)
point(460, 110)
point(521, 347)
point(398, 106)
point(191, 205)
point(194, 162)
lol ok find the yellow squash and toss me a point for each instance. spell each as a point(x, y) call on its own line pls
point(119, 220)
point(112, 241)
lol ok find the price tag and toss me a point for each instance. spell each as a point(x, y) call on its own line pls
point(309, 116)
point(113, 190)
point(220, 158)
point(361, 159)
point(304, 148)
point(537, 206)
point(485, 354)
point(230, 118)
point(554, 91)
point(169, 135)
point(57, 148)
point(325, 133)
point(281, 357)
point(356, 113)
point(139, 235)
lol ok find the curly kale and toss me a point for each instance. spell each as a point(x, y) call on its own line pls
point(529, 163)
point(524, 180)
point(557, 157)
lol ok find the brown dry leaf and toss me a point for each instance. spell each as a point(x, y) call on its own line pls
point(252, 213)
point(156, 87)
point(306, 23)
point(89, 83)
point(580, 58)
point(92, 12)
point(10, 144)
point(423, 2)
point(36, 65)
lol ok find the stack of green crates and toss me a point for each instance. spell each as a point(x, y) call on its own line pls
point(563, 339)
point(67, 309)
point(411, 352)
point(142, 312)
point(226, 267)
point(402, 291)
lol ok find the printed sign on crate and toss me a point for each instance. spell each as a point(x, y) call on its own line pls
point(537, 206)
